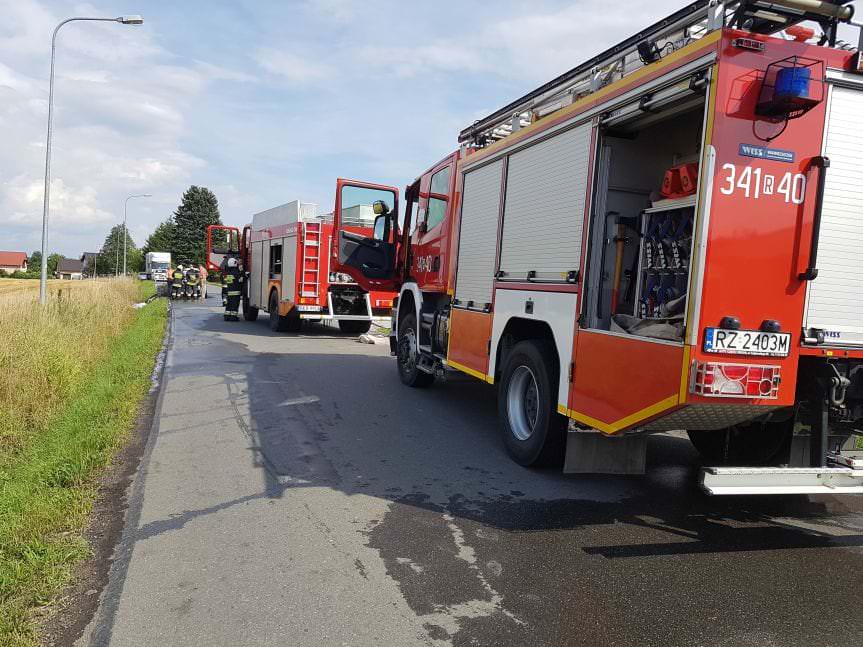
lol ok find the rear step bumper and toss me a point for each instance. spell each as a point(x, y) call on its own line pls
point(782, 480)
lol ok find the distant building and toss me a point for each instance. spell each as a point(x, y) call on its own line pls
point(70, 268)
point(13, 262)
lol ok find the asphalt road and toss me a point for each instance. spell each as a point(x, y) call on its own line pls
point(295, 493)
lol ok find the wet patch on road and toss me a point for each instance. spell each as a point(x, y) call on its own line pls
point(695, 571)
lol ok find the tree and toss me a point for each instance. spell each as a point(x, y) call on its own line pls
point(53, 262)
point(162, 239)
point(110, 259)
point(198, 209)
point(34, 263)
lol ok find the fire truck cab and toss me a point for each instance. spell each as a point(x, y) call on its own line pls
point(666, 237)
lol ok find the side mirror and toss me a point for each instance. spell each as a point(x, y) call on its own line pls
point(421, 227)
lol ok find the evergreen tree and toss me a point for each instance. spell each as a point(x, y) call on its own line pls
point(198, 209)
point(162, 239)
point(110, 259)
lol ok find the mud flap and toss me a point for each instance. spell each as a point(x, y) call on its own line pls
point(593, 452)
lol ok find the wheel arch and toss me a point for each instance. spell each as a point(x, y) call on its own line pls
point(410, 299)
point(519, 329)
point(274, 288)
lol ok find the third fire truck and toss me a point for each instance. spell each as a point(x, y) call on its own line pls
point(668, 236)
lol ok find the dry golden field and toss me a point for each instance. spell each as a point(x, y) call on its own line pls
point(10, 286)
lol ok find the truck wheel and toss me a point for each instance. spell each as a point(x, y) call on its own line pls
point(250, 312)
point(751, 444)
point(278, 323)
point(354, 327)
point(533, 431)
point(293, 323)
point(407, 354)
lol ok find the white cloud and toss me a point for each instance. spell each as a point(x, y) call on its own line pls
point(339, 10)
point(219, 73)
point(292, 66)
point(78, 206)
point(405, 62)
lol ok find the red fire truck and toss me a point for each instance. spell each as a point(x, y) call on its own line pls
point(669, 236)
point(285, 253)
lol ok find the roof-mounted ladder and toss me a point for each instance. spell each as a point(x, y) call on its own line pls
point(684, 26)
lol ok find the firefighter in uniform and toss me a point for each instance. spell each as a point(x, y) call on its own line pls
point(233, 280)
point(175, 280)
point(223, 270)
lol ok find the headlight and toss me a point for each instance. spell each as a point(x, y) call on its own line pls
point(339, 277)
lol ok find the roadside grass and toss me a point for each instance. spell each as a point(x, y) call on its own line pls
point(77, 372)
point(45, 352)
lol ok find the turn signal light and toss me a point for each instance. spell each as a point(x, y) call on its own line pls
point(722, 380)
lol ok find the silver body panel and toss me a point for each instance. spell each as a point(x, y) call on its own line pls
point(480, 213)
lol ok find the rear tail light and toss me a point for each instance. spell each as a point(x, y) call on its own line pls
point(722, 380)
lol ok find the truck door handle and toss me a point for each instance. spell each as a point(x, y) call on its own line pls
point(822, 164)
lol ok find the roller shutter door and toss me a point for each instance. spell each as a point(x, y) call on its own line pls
point(478, 235)
point(835, 299)
point(544, 208)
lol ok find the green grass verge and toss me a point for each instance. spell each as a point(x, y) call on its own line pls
point(47, 493)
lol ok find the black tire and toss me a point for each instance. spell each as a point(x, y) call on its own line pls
point(534, 433)
point(293, 323)
point(278, 323)
point(750, 444)
point(250, 312)
point(354, 327)
point(407, 353)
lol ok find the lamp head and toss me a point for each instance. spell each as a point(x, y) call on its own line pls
point(133, 19)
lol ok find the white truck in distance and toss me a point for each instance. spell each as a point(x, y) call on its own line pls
point(156, 266)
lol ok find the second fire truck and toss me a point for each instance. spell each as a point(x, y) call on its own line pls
point(285, 254)
point(669, 236)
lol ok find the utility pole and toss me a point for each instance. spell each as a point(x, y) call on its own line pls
point(123, 20)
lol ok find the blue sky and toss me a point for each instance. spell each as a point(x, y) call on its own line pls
point(261, 101)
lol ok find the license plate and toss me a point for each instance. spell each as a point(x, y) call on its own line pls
point(747, 342)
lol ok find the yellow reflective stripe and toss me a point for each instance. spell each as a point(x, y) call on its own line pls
point(471, 372)
point(684, 374)
point(623, 423)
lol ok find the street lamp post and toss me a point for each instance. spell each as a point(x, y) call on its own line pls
point(123, 20)
point(125, 208)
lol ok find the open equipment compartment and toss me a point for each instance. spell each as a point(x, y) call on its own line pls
point(642, 221)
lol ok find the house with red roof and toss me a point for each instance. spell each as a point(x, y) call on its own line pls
point(13, 262)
